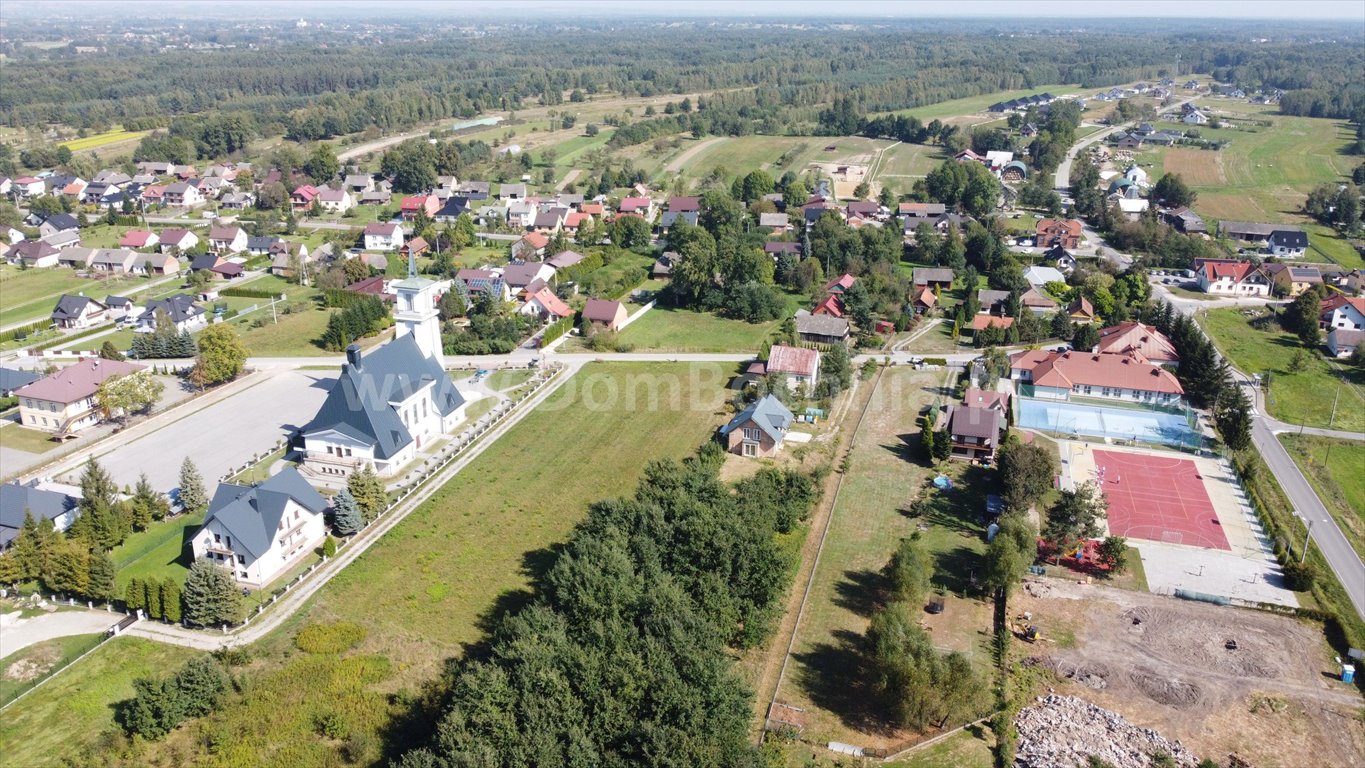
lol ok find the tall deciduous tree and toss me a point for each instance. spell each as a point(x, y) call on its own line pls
point(1076, 515)
point(910, 571)
point(222, 355)
point(1027, 472)
point(1011, 552)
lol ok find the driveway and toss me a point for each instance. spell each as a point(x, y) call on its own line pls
point(222, 436)
point(26, 632)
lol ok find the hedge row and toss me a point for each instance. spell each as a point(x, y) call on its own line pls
point(24, 331)
point(248, 293)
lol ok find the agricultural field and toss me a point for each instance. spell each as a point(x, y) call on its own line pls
point(886, 480)
point(1295, 397)
point(972, 110)
point(902, 164)
point(70, 711)
point(775, 154)
point(100, 140)
point(1333, 468)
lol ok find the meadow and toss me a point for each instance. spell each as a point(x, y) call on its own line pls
point(1333, 468)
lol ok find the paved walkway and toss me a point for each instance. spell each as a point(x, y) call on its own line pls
point(20, 634)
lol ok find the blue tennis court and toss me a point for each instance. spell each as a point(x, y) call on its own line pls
point(1100, 421)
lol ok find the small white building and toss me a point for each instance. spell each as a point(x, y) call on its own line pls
point(335, 200)
point(1196, 117)
point(258, 532)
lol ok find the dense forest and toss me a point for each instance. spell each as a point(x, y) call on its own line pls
point(756, 79)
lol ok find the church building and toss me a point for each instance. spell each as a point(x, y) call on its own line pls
point(390, 403)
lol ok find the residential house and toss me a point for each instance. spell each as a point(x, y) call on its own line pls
point(924, 300)
point(544, 304)
point(640, 206)
point(832, 305)
point(530, 246)
point(992, 302)
point(155, 263)
point(602, 313)
point(1131, 336)
point(28, 186)
point(862, 209)
point(358, 183)
point(179, 309)
point(799, 365)
point(986, 398)
point(1292, 280)
point(1040, 276)
point(934, 277)
point(1287, 243)
point(684, 204)
point(669, 218)
point(260, 245)
point(79, 311)
point(373, 286)
point(1234, 278)
point(335, 200)
point(1250, 231)
point(383, 236)
point(75, 258)
point(65, 401)
point(564, 259)
point(121, 307)
point(117, 261)
point(1343, 342)
point(139, 238)
point(227, 239)
point(521, 214)
point(34, 253)
point(759, 430)
point(1338, 311)
point(1185, 220)
point(414, 248)
point(528, 276)
point(66, 239)
point(1063, 232)
point(258, 532)
point(512, 192)
point(58, 223)
point(1061, 375)
point(549, 221)
point(483, 281)
point(286, 258)
point(776, 248)
point(376, 197)
point(1037, 302)
point(1129, 141)
point(389, 404)
point(18, 502)
point(974, 432)
point(182, 195)
point(178, 240)
point(452, 209)
point(1195, 117)
point(821, 328)
point(775, 222)
point(415, 204)
point(1081, 310)
point(981, 321)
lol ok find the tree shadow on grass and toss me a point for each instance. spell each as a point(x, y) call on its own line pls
point(831, 675)
point(953, 570)
point(859, 591)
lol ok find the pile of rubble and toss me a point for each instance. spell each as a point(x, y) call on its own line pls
point(1061, 731)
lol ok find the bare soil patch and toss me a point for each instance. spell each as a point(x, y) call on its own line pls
point(1169, 665)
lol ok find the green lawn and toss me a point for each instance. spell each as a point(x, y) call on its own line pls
point(21, 671)
point(69, 713)
point(29, 294)
point(969, 748)
point(1334, 468)
point(974, 104)
point(776, 154)
point(27, 440)
point(901, 164)
point(869, 520)
point(1305, 397)
point(159, 552)
point(473, 546)
point(680, 330)
point(508, 378)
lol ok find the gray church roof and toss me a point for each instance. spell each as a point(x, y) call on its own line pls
point(252, 513)
point(358, 405)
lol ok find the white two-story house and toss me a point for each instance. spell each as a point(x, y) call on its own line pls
point(257, 532)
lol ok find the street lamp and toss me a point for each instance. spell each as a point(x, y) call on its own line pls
point(1308, 532)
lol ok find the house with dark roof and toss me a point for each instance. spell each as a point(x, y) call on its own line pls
point(759, 430)
point(392, 402)
point(821, 328)
point(775, 248)
point(934, 277)
point(974, 432)
point(257, 532)
point(19, 501)
point(610, 315)
point(1292, 280)
point(1287, 243)
point(1185, 220)
point(34, 253)
point(79, 312)
point(14, 378)
point(179, 309)
point(669, 218)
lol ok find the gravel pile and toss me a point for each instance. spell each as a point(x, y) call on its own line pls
point(1060, 731)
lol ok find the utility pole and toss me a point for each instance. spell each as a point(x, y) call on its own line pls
point(1303, 554)
point(1333, 417)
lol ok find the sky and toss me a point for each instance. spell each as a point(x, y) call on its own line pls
point(1306, 10)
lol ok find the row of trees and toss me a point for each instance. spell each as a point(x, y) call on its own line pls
point(621, 655)
point(365, 316)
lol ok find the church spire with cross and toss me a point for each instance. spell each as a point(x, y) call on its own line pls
point(415, 310)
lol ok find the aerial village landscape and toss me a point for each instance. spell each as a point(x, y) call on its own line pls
point(418, 386)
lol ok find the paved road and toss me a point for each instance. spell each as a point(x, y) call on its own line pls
point(25, 632)
point(1062, 179)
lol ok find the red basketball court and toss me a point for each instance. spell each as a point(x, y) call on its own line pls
point(1158, 498)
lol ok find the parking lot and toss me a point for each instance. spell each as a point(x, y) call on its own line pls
point(221, 436)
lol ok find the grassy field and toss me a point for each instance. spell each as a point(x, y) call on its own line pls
point(869, 520)
point(99, 140)
point(508, 378)
point(159, 552)
point(681, 330)
point(777, 154)
point(1334, 467)
point(469, 551)
point(29, 294)
point(72, 710)
point(1264, 174)
point(27, 440)
point(974, 105)
point(902, 164)
point(22, 670)
point(1304, 397)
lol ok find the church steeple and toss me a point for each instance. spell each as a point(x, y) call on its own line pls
point(416, 312)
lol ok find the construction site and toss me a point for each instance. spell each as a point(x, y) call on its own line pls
point(1221, 681)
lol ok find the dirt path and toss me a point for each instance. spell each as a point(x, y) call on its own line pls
point(779, 650)
point(681, 160)
point(568, 179)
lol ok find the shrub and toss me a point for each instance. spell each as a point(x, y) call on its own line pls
point(332, 637)
point(1299, 576)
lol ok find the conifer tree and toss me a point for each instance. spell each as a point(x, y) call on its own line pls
point(170, 600)
point(193, 497)
point(346, 518)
